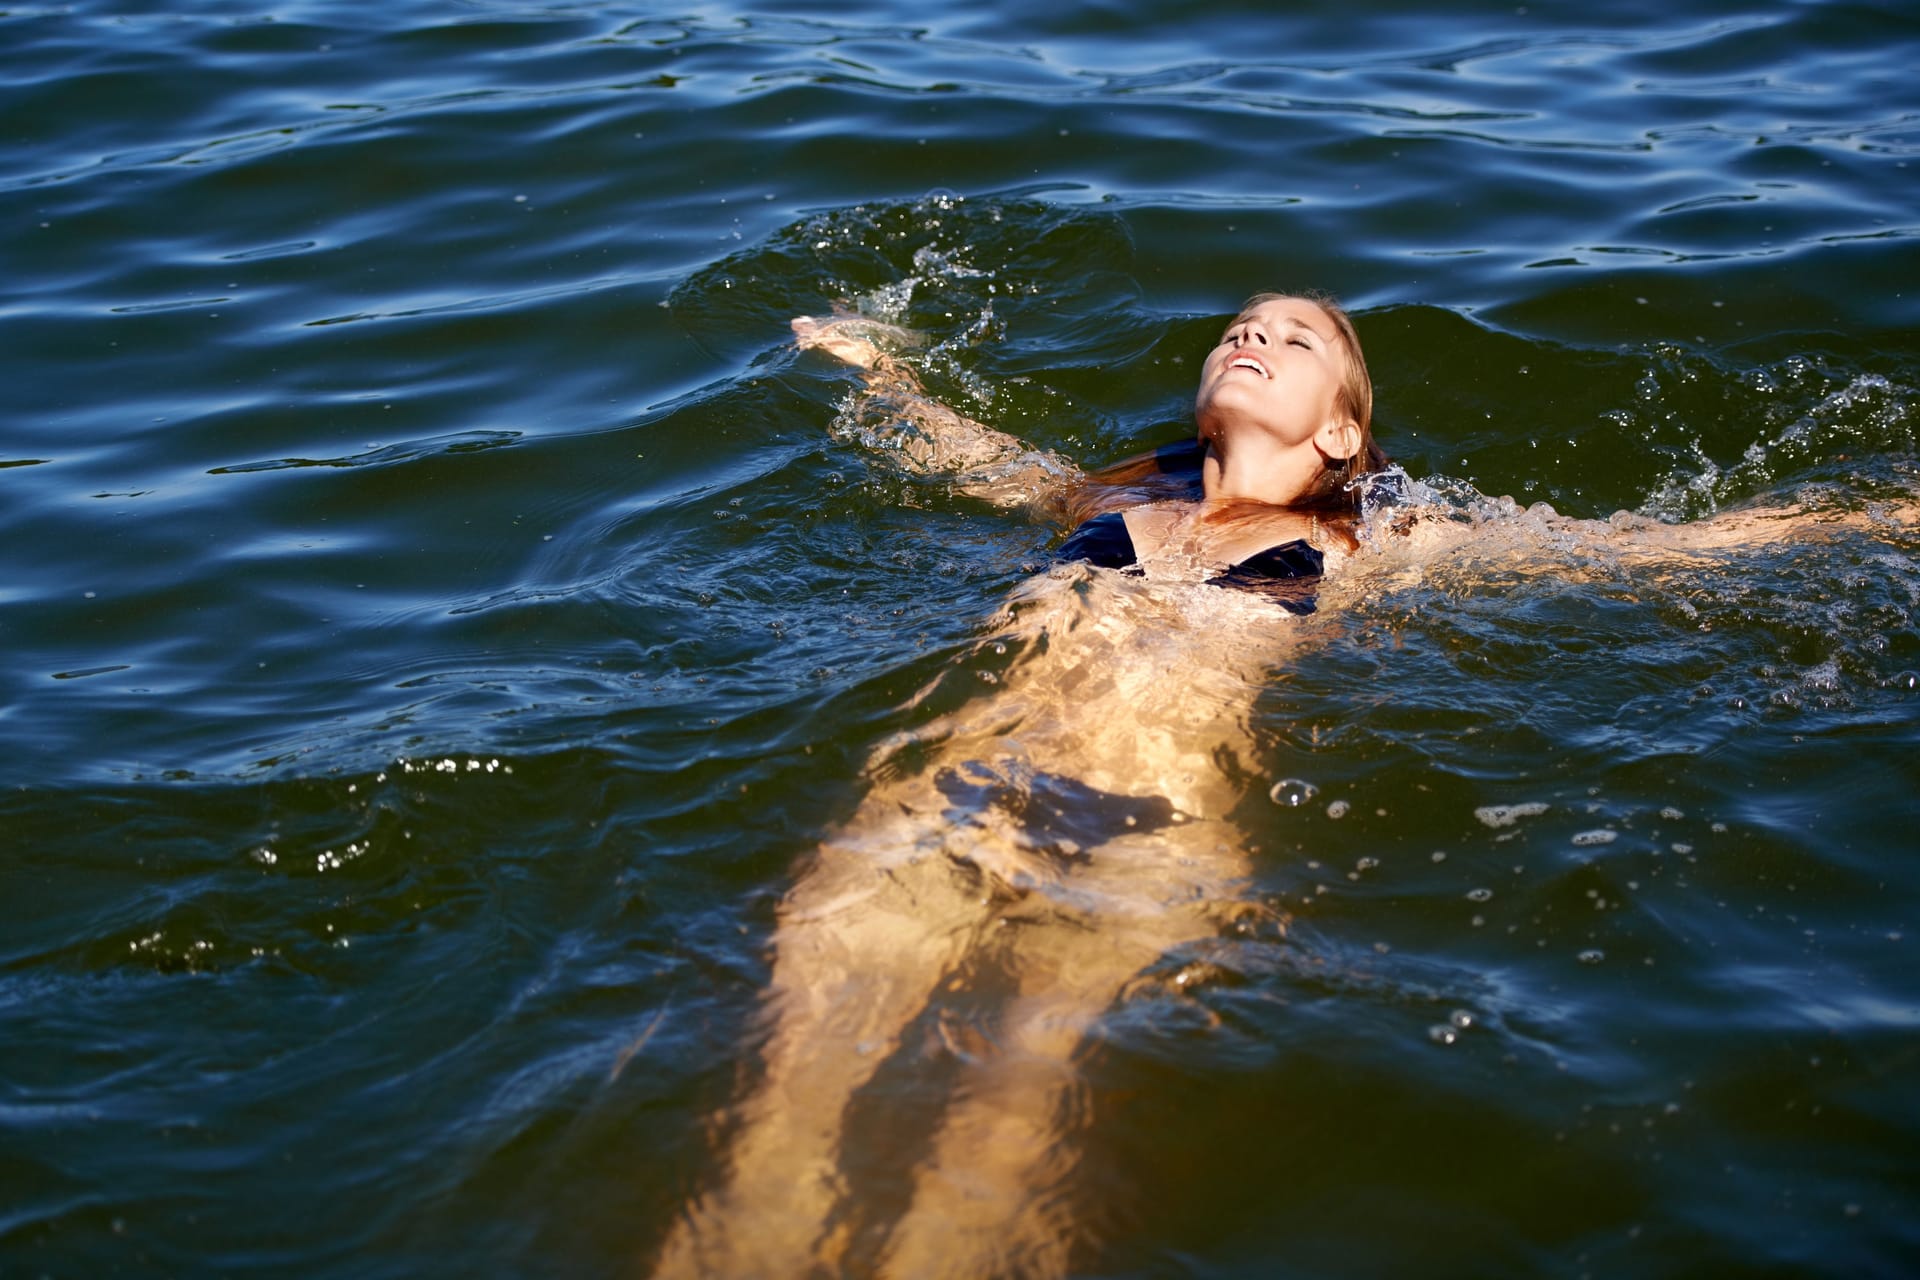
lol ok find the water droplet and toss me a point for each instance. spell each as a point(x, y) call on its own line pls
point(1292, 792)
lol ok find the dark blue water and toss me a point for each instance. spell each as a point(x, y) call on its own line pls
point(441, 621)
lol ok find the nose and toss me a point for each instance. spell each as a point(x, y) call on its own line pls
point(1252, 334)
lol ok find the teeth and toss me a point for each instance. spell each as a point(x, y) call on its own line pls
point(1244, 363)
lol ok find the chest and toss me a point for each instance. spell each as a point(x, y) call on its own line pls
point(1191, 535)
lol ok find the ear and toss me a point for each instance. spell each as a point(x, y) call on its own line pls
point(1338, 438)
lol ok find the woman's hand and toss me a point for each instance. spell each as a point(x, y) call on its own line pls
point(851, 337)
point(895, 415)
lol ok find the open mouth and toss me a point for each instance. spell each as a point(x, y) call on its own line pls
point(1248, 362)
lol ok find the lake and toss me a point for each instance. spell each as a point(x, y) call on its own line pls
point(444, 617)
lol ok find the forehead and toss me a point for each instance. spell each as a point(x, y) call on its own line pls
point(1300, 311)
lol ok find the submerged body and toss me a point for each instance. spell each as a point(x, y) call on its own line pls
point(1016, 865)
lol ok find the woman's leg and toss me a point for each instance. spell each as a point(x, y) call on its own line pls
point(862, 940)
point(992, 1198)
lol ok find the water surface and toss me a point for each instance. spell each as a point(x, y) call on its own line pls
point(439, 614)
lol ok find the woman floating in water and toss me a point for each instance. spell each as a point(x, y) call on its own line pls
point(1065, 839)
point(1284, 416)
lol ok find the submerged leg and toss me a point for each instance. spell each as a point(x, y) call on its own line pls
point(859, 946)
point(992, 1198)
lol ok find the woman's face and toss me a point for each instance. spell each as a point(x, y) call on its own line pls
point(1277, 371)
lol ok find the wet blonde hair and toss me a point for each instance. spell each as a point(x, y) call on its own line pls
point(1334, 488)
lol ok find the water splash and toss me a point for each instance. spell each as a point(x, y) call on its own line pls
point(1800, 419)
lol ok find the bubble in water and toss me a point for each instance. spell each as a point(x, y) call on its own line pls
point(1461, 1019)
point(1601, 836)
point(1479, 895)
point(1441, 1033)
point(1592, 955)
point(1338, 809)
point(1907, 680)
point(1292, 792)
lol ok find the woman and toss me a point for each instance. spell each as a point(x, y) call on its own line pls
point(1064, 838)
point(1284, 417)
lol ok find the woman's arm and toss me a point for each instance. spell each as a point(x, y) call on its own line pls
point(895, 413)
point(1538, 537)
point(1745, 527)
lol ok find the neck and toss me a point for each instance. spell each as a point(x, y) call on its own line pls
point(1257, 472)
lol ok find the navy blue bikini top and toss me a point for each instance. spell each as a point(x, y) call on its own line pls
point(1286, 574)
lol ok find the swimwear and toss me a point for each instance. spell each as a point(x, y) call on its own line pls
point(1285, 574)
